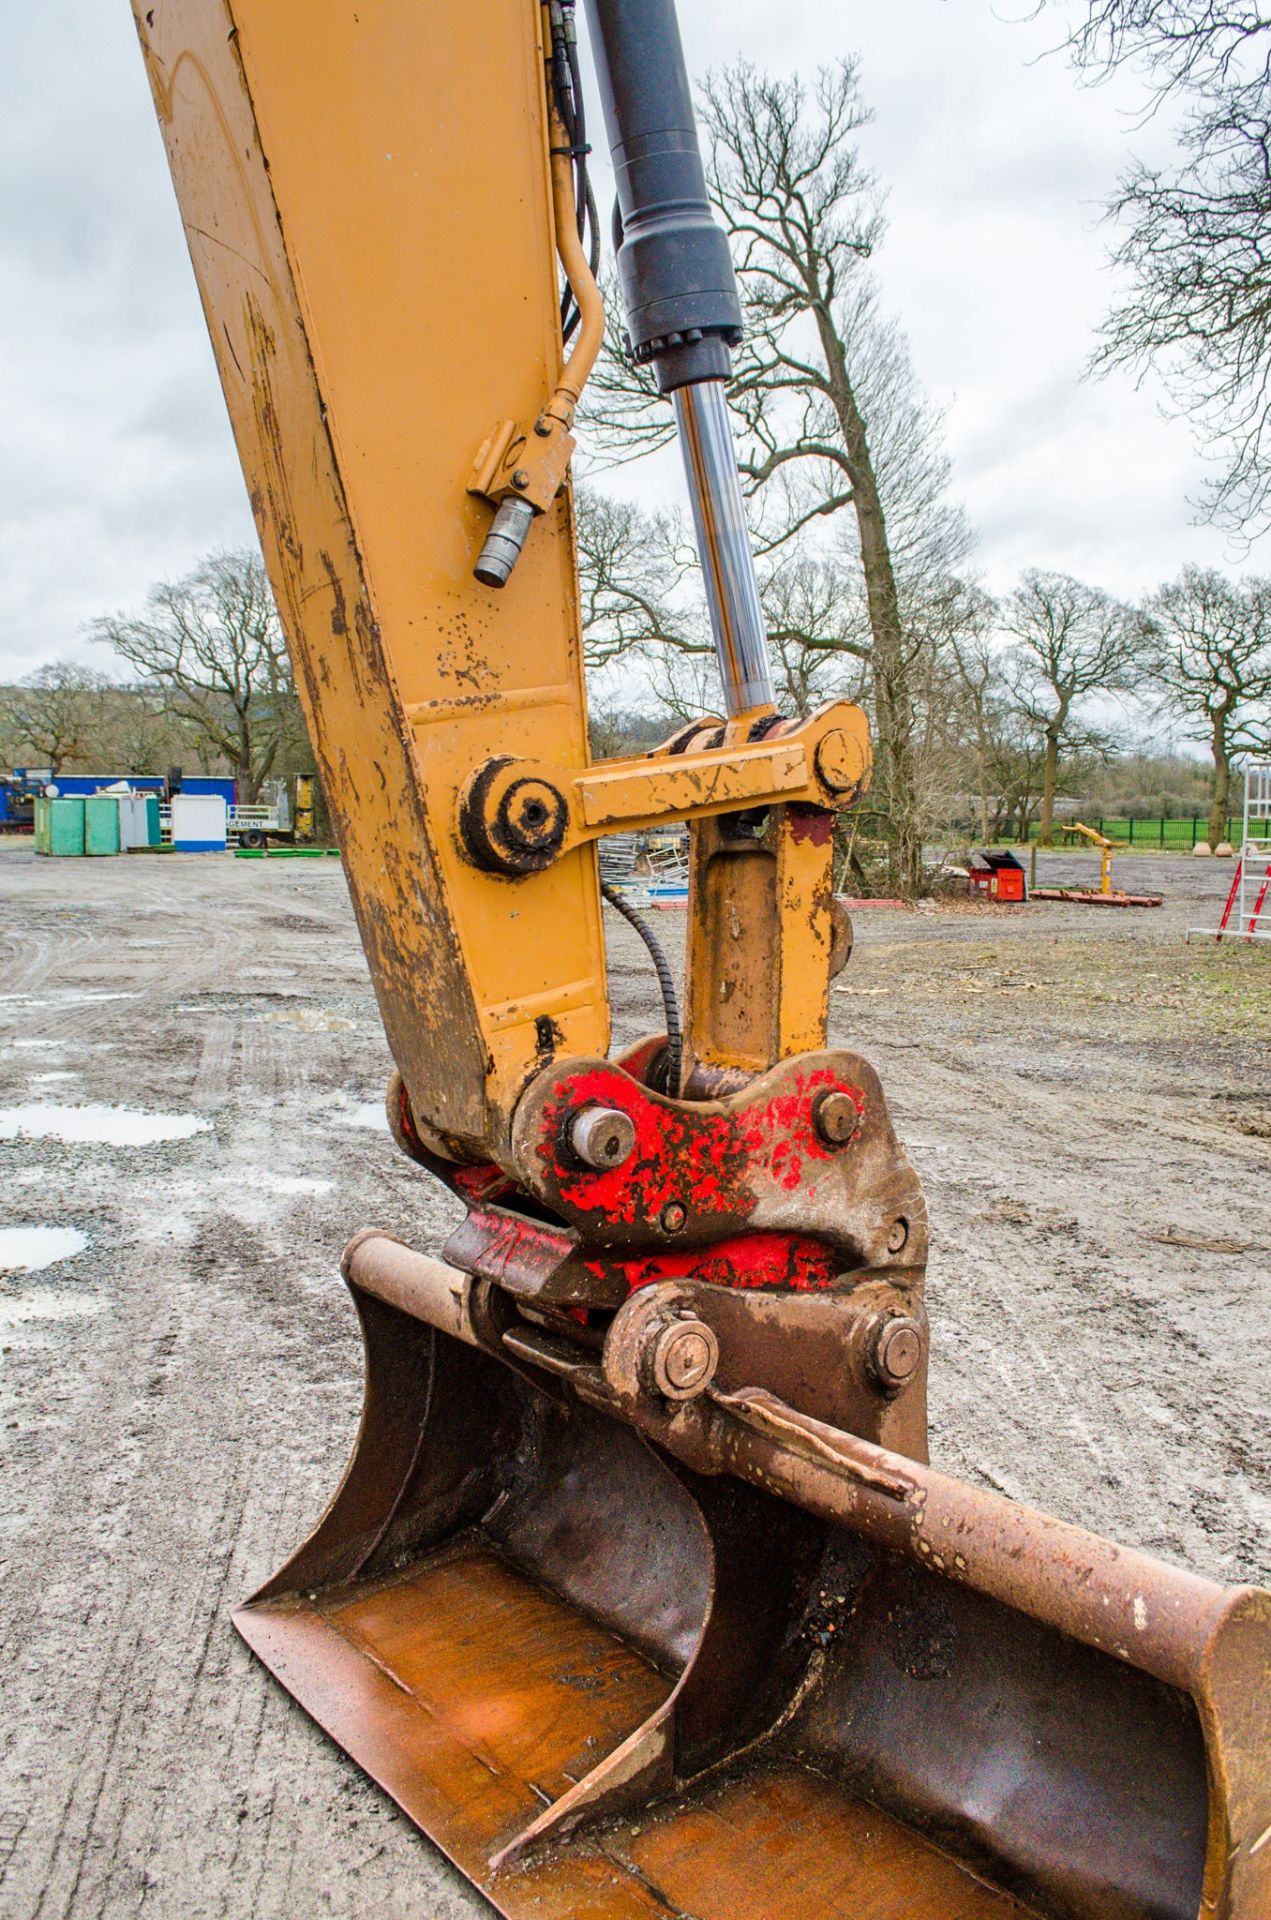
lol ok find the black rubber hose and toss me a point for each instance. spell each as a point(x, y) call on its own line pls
point(567, 91)
point(670, 1004)
point(578, 135)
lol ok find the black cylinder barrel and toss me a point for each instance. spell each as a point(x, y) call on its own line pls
point(677, 278)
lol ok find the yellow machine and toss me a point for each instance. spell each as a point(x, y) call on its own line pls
point(639, 1594)
point(1104, 845)
point(1108, 895)
point(303, 804)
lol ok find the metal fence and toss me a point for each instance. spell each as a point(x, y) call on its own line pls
point(1165, 835)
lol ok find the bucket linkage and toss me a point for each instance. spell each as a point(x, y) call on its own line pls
point(655, 1607)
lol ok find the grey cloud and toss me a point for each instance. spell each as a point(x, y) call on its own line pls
point(118, 467)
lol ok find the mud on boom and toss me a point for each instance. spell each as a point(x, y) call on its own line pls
point(639, 1594)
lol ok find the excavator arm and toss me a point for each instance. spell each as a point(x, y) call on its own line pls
point(638, 1593)
point(383, 304)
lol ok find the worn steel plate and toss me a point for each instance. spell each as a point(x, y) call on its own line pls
point(475, 1696)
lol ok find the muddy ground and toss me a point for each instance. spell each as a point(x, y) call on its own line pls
point(1078, 1088)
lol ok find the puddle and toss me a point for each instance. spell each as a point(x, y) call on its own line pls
point(27, 1249)
point(369, 1114)
point(63, 1073)
point(100, 1126)
point(35, 1046)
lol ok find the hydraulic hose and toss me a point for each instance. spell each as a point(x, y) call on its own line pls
point(666, 981)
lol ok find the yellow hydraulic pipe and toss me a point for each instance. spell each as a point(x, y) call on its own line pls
point(520, 469)
point(591, 307)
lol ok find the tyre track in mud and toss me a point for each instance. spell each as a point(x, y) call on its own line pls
point(180, 1709)
point(175, 1442)
point(78, 968)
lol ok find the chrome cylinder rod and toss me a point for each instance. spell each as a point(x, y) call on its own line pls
point(723, 542)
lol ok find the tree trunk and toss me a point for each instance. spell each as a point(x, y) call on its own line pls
point(1050, 780)
point(983, 757)
point(1222, 779)
point(246, 778)
point(893, 700)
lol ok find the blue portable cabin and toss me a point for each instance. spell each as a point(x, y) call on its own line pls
point(81, 785)
point(211, 783)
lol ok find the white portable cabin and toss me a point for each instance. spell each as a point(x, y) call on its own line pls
point(198, 823)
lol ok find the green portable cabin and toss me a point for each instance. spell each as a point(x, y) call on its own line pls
point(101, 823)
point(59, 826)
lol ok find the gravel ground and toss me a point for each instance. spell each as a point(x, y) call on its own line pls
point(1080, 1091)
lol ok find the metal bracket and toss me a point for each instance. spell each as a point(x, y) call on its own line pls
point(518, 816)
point(523, 462)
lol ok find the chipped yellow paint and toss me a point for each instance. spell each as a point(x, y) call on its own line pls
point(761, 932)
point(630, 794)
point(379, 285)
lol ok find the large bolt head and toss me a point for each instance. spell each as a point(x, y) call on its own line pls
point(836, 1116)
point(683, 1360)
point(897, 1351)
point(533, 816)
point(603, 1137)
point(841, 762)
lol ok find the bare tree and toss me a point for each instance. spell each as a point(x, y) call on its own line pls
point(1212, 664)
point(824, 387)
point(942, 762)
point(818, 630)
point(1183, 43)
point(975, 654)
point(634, 578)
point(683, 686)
point(641, 596)
point(213, 644)
point(831, 418)
point(1072, 641)
point(614, 729)
point(57, 715)
point(138, 733)
point(1197, 233)
point(1016, 763)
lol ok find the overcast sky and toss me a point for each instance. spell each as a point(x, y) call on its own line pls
point(116, 463)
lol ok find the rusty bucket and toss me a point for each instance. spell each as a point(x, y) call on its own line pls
point(624, 1657)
